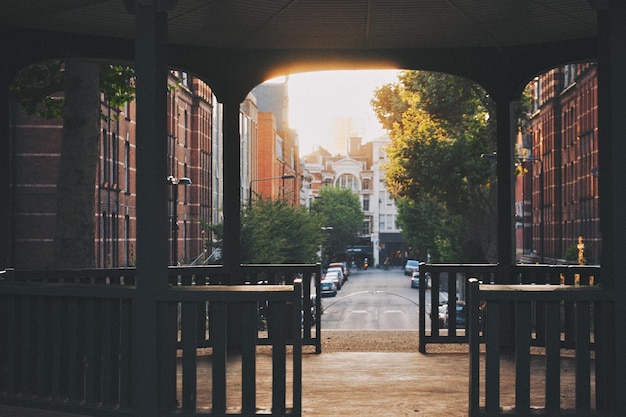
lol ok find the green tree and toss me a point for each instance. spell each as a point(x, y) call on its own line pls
point(71, 90)
point(340, 209)
point(276, 232)
point(439, 126)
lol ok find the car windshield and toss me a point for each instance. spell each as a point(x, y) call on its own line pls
point(412, 263)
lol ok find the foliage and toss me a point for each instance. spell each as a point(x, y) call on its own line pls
point(117, 84)
point(276, 232)
point(339, 208)
point(435, 234)
point(38, 88)
point(439, 126)
point(572, 253)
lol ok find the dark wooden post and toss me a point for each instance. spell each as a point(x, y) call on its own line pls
point(232, 188)
point(472, 315)
point(152, 217)
point(6, 217)
point(612, 186)
point(506, 202)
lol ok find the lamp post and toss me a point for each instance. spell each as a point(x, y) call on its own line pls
point(281, 177)
point(175, 182)
point(493, 156)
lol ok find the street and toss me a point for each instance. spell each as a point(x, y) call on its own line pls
point(373, 300)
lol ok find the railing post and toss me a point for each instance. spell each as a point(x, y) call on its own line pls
point(422, 311)
point(297, 355)
point(473, 312)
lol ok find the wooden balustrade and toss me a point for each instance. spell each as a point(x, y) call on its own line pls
point(68, 341)
point(591, 362)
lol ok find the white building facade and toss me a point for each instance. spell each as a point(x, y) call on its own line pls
point(362, 171)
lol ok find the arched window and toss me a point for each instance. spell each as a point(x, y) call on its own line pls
point(348, 181)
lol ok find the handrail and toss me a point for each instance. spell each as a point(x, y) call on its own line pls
point(453, 279)
point(588, 303)
point(70, 346)
point(203, 275)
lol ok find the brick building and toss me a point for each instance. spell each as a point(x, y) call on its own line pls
point(194, 152)
point(278, 173)
point(561, 153)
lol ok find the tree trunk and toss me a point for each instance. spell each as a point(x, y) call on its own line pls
point(75, 217)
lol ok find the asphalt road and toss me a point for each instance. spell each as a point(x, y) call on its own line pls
point(373, 300)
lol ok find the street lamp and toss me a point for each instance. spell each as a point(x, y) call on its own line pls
point(494, 156)
point(281, 177)
point(175, 182)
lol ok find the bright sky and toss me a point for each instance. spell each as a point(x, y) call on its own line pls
point(316, 98)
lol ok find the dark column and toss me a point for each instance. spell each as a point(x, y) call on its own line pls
point(232, 187)
point(612, 188)
point(506, 187)
point(152, 217)
point(6, 179)
point(506, 201)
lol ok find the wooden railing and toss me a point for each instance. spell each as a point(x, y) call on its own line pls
point(447, 285)
point(208, 275)
point(448, 282)
point(590, 309)
point(68, 340)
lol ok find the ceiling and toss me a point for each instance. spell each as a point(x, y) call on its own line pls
point(297, 24)
point(475, 38)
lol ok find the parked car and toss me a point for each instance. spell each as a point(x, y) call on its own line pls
point(415, 280)
point(411, 266)
point(336, 276)
point(343, 266)
point(328, 287)
point(460, 314)
point(342, 277)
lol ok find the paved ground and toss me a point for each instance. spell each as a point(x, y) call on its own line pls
point(375, 374)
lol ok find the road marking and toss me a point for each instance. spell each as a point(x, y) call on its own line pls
point(394, 311)
point(359, 311)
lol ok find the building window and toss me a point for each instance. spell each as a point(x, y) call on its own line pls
point(127, 259)
point(366, 204)
point(279, 148)
point(347, 181)
point(127, 166)
point(536, 99)
point(366, 184)
point(569, 75)
point(127, 110)
point(114, 159)
point(366, 226)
